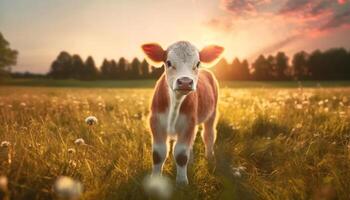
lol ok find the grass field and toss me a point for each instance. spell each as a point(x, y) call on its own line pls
point(274, 143)
point(150, 83)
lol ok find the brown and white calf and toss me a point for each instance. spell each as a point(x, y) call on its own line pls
point(184, 97)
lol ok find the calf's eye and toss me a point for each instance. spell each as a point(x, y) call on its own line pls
point(198, 64)
point(168, 63)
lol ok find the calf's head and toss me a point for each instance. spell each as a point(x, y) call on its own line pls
point(181, 61)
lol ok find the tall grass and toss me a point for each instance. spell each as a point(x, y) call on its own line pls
point(272, 144)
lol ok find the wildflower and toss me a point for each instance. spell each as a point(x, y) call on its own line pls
point(67, 188)
point(158, 186)
point(5, 144)
point(79, 141)
point(71, 150)
point(91, 120)
point(326, 109)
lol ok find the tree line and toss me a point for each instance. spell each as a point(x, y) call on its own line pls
point(332, 64)
point(68, 66)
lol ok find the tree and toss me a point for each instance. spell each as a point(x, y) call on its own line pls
point(315, 65)
point(222, 70)
point(299, 65)
point(61, 67)
point(8, 56)
point(90, 71)
point(240, 70)
point(261, 69)
point(114, 70)
point(77, 67)
point(156, 72)
point(281, 65)
point(144, 69)
point(135, 69)
point(106, 69)
point(122, 65)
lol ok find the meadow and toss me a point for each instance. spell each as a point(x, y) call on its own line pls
point(273, 143)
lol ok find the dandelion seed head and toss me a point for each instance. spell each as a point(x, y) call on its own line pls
point(158, 186)
point(91, 120)
point(79, 141)
point(67, 188)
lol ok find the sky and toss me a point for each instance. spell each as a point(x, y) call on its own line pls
point(40, 29)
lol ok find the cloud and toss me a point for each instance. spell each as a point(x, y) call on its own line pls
point(296, 18)
point(319, 15)
point(242, 7)
point(340, 19)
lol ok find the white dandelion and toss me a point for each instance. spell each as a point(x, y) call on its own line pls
point(67, 188)
point(91, 120)
point(79, 141)
point(5, 144)
point(158, 186)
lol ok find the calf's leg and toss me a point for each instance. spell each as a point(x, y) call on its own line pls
point(209, 135)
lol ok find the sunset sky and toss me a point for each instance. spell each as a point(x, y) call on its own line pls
point(40, 29)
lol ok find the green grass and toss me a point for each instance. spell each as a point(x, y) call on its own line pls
point(151, 83)
point(293, 144)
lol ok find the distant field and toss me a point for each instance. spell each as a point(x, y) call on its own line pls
point(150, 83)
point(272, 144)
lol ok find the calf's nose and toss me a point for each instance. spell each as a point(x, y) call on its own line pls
point(184, 83)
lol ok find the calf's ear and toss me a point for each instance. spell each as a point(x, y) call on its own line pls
point(209, 55)
point(155, 54)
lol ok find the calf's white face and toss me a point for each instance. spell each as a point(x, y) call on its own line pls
point(181, 67)
point(181, 61)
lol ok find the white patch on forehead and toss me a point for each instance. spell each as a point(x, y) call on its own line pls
point(183, 52)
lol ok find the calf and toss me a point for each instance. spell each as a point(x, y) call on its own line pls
point(184, 97)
